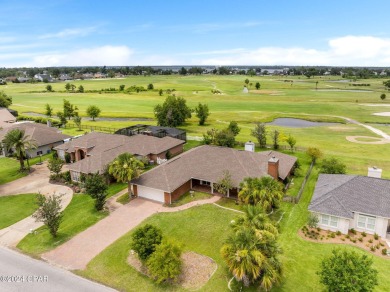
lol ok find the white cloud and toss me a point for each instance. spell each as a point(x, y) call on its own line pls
point(69, 32)
point(98, 56)
point(342, 51)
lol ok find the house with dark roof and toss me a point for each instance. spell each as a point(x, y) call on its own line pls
point(343, 202)
point(203, 166)
point(46, 138)
point(92, 152)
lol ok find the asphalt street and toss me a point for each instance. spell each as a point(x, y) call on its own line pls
point(22, 273)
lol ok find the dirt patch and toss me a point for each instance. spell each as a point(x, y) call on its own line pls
point(358, 239)
point(367, 140)
point(197, 269)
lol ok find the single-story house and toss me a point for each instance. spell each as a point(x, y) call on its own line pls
point(343, 202)
point(91, 153)
point(201, 167)
point(45, 137)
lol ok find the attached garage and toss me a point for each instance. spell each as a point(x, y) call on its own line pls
point(151, 194)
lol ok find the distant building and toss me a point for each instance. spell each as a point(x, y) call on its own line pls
point(43, 77)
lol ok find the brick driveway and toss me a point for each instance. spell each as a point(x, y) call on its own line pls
point(77, 252)
point(81, 249)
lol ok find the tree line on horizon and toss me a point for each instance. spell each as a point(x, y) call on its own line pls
point(307, 71)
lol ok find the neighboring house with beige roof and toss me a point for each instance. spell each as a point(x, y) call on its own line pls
point(45, 137)
point(203, 166)
point(92, 152)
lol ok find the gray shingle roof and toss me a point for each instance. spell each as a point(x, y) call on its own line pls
point(209, 162)
point(342, 195)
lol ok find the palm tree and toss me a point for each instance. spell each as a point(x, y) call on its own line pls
point(249, 261)
point(251, 252)
point(255, 218)
point(125, 168)
point(264, 191)
point(19, 142)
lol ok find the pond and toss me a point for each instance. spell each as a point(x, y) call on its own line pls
point(298, 123)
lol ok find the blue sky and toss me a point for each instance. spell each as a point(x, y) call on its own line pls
point(213, 32)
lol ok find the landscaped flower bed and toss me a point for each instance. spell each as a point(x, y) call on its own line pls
point(369, 242)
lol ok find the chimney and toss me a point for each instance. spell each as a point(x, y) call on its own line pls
point(374, 172)
point(250, 146)
point(273, 167)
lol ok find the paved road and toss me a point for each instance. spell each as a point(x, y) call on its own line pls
point(34, 275)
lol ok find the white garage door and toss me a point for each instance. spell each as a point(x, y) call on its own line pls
point(151, 194)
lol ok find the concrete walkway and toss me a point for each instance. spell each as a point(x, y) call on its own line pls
point(36, 182)
point(81, 249)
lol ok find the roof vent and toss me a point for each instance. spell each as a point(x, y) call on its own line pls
point(374, 172)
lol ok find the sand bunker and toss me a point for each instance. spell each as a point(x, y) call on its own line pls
point(374, 104)
point(367, 140)
point(270, 92)
point(384, 114)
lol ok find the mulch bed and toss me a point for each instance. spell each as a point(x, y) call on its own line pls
point(354, 238)
point(197, 269)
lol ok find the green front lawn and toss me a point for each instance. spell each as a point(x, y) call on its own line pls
point(9, 168)
point(187, 198)
point(115, 188)
point(229, 203)
point(201, 229)
point(16, 208)
point(78, 216)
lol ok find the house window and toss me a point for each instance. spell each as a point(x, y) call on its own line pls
point(366, 222)
point(325, 219)
point(203, 182)
point(329, 220)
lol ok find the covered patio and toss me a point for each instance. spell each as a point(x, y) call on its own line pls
point(207, 187)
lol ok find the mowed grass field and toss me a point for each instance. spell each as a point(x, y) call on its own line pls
point(276, 98)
